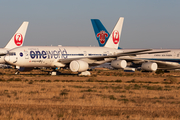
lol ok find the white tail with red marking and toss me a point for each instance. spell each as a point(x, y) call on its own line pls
point(18, 38)
point(114, 39)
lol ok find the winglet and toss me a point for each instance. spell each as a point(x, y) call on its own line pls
point(114, 39)
point(18, 38)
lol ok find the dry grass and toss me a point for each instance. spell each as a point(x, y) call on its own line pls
point(104, 95)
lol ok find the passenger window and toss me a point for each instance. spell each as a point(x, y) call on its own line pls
point(12, 54)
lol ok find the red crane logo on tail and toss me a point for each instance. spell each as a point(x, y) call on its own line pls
point(18, 39)
point(102, 34)
point(115, 37)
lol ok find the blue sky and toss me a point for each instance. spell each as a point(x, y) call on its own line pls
point(147, 24)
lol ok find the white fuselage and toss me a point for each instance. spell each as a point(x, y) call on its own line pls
point(59, 56)
point(166, 60)
point(42, 56)
point(3, 51)
point(172, 56)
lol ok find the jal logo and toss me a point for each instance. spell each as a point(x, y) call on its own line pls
point(102, 35)
point(115, 37)
point(18, 39)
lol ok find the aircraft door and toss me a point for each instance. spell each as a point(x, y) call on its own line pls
point(85, 53)
point(26, 54)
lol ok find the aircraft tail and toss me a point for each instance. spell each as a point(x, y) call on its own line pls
point(100, 31)
point(114, 39)
point(18, 38)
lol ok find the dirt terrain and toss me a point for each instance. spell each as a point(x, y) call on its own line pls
point(106, 94)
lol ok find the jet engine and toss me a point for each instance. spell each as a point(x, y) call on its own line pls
point(149, 66)
point(78, 66)
point(2, 61)
point(3, 51)
point(24, 69)
point(119, 64)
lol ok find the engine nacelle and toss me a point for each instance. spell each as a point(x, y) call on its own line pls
point(78, 66)
point(3, 51)
point(119, 64)
point(24, 69)
point(149, 66)
point(2, 61)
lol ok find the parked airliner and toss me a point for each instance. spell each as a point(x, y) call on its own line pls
point(16, 41)
point(164, 59)
point(78, 59)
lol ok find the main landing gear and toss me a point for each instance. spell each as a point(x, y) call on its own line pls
point(86, 73)
point(54, 73)
point(17, 73)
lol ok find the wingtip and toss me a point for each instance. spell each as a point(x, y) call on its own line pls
point(26, 22)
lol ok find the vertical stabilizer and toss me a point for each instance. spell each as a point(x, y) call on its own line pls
point(18, 38)
point(100, 31)
point(114, 39)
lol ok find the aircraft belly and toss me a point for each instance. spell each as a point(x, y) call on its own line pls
point(33, 63)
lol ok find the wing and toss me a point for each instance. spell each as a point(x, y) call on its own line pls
point(139, 52)
point(3, 51)
point(103, 59)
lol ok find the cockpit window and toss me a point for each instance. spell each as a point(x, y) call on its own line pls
point(12, 54)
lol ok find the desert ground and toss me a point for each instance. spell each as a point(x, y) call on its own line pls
point(106, 95)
